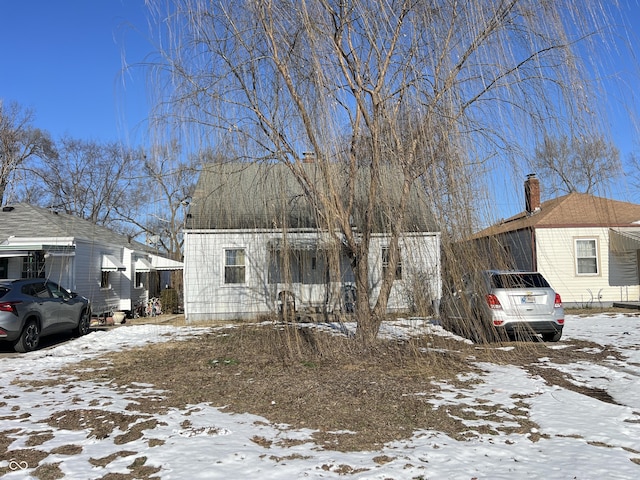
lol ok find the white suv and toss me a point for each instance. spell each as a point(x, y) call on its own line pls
point(498, 304)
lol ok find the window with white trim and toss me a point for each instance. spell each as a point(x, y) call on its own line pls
point(587, 256)
point(141, 279)
point(234, 265)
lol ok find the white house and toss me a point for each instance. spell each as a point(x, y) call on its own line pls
point(242, 261)
point(587, 247)
point(110, 269)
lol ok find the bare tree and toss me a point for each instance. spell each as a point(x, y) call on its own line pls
point(580, 164)
point(409, 92)
point(91, 180)
point(166, 183)
point(19, 142)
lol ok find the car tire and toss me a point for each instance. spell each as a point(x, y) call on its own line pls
point(29, 338)
point(84, 324)
point(552, 337)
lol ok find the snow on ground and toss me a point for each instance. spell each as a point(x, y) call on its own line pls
point(575, 437)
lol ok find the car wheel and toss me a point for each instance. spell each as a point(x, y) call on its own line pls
point(29, 338)
point(83, 324)
point(552, 337)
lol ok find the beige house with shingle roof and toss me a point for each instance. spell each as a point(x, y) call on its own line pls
point(587, 247)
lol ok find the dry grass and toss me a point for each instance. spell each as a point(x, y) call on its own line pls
point(354, 399)
point(307, 378)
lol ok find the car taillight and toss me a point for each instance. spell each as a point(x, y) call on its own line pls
point(558, 302)
point(493, 302)
point(9, 307)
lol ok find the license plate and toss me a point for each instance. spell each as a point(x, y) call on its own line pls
point(528, 299)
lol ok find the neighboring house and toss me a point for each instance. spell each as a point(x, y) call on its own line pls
point(587, 247)
point(110, 269)
point(252, 244)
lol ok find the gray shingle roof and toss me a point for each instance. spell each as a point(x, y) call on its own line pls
point(235, 195)
point(24, 220)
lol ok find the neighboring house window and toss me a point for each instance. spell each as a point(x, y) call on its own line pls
point(104, 280)
point(586, 256)
point(386, 257)
point(234, 266)
point(4, 268)
point(140, 279)
point(33, 265)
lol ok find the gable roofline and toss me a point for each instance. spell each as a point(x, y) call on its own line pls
point(574, 210)
point(23, 221)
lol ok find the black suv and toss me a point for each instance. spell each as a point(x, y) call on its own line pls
point(35, 307)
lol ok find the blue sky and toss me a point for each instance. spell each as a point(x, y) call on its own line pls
point(65, 58)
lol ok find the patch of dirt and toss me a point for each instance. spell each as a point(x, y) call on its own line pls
point(67, 450)
point(101, 423)
point(554, 377)
point(38, 438)
point(311, 379)
point(48, 471)
point(104, 461)
point(137, 468)
point(21, 459)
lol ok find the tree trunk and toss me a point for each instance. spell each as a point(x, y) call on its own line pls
point(367, 324)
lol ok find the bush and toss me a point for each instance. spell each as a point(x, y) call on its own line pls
point(170, 300)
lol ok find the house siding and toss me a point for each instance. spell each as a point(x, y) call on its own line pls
point(89, 275)
point(14, 268)
point(61, 270)
point(556, 258)
point(520, 249)
point(208, 298)
point(420, 258)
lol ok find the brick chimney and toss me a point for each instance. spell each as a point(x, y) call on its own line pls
point(532, 193)
point(308, 157)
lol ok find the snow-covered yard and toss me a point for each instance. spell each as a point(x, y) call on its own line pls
point(576, 436)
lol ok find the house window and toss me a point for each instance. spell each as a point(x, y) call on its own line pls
point(4, 268)
point(33, 265)
point(587, 256)
point(104, 280)
point(285, 267)
point(386, 258)
point(234, 266)
point(140, 279)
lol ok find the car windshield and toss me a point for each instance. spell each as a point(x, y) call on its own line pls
point(518, 280)
point(4, 291)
